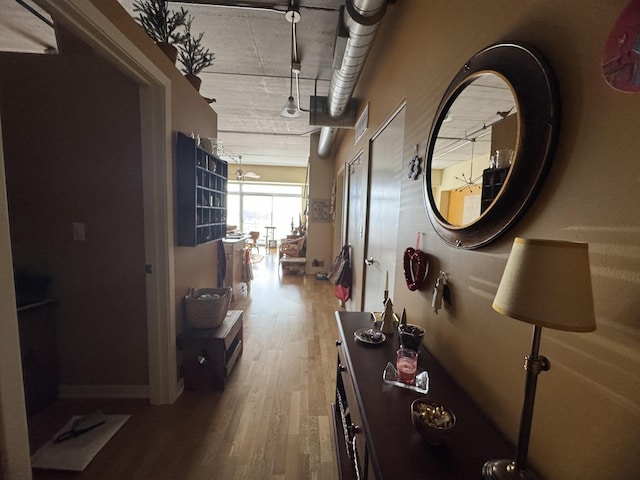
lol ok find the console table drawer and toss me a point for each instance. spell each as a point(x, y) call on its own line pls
point(351, 431)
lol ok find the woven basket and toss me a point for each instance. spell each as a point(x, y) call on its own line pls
point(207, 312)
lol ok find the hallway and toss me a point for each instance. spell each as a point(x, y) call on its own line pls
point(273, 420)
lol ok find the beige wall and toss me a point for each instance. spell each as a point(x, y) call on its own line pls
point(193, 266)
point(591, 195)
point(190, 113)
point(271, 173)
point(319, 232)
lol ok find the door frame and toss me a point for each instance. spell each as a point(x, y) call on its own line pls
point(14, 455)
point(341, 203)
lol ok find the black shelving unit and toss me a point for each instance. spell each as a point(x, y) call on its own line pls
point(492, 182)
point(202, 194)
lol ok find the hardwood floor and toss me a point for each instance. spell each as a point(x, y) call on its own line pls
point(273, 420)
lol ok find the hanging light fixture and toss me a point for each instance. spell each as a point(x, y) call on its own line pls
point(291, 108)
point(469, 183)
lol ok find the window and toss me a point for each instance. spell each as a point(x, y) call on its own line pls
point(254, 206)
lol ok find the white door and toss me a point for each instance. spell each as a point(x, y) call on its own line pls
point(355, 224)
point(383, 212)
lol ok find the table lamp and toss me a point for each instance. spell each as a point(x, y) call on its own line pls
point(546, 283)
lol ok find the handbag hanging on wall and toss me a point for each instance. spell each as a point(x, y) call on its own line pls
point(340, 275)
point(341, 268)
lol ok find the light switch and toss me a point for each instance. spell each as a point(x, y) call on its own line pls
point(78, 232)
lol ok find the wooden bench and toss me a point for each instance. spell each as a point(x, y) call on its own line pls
point(209, 354)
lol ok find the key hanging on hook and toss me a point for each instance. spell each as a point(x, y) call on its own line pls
point(446, 291)
point(414, 166)
point(441, 292)
point(436, 301)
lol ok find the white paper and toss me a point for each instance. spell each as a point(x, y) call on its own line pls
point(76, 453)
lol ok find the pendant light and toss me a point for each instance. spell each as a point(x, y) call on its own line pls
point(469, 183)
point(291, 109)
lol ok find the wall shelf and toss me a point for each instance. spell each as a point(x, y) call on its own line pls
point(202, 194)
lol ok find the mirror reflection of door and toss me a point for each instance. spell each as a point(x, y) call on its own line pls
point(467, 170)
point(383, 211)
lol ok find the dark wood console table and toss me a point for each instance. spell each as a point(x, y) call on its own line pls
point(377, 415)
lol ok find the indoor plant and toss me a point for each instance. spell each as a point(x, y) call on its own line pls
point(193, 56)
point(161, 24)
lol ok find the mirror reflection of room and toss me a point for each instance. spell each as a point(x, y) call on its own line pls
point(474, 150)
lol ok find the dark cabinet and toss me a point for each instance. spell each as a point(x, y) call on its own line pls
point(492, 182)
point(39, 354)
point(374, 436)
point(202, 194)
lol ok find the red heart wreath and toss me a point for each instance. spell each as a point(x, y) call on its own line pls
point(416, 265)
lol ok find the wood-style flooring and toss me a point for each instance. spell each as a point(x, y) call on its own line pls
point(272, 421)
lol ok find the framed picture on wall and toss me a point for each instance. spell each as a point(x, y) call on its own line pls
point(320, 210)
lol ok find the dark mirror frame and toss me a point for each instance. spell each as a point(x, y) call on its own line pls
point(534, 88)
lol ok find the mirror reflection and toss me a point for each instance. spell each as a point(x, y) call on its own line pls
point(474, 150)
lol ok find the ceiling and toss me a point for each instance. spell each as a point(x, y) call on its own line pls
point(465, 134)
point(251, 74)
point(250, 77)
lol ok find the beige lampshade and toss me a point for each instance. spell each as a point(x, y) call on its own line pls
point(548, 283)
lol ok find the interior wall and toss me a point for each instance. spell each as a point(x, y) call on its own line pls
point(194, 266)
point(72, 150)
point(190, 113)
point(319, 231)
point(589, 195)
point(271, 173)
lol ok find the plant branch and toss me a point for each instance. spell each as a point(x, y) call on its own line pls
point(193, 56)
point(161, 24)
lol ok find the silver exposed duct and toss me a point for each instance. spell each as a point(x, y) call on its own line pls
point(361, 19)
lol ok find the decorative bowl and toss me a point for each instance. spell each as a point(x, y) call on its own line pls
point(410, 336)
point(432, 419)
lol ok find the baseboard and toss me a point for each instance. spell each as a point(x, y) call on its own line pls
point(103, 391)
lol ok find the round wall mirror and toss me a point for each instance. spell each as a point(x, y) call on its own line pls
point(490, 144)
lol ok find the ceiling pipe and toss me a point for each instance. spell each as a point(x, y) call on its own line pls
point(361, 19)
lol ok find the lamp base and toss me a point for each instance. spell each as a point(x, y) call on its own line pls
point(505, 470)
